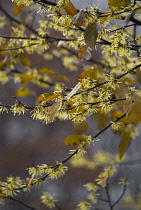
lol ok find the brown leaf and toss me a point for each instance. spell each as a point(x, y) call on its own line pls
point(74, 140)
point(117, 114)
point(118, 4)
point(74, 90)
point(46, 97)
point(132, 108)
point(82, 51)
point(2, 195)
point(24, 60)
point(61, 77)
point(124, 143)
point(101, 120)
point(91, 35)
point(79, 19)
point(23, 92)
point(104, 181)
point(105, 17)
point(70, 9)
point(25, 78)
point(47, 71)
point(54, 109)
point(81, 128)
point(93, 73)
point(138, 75)
point(17, 9)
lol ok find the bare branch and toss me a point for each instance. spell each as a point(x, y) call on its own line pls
point(20, 202)
point(121, 196)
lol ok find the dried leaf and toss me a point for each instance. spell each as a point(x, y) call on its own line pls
point(74, 90)
point(25, 78)
point(121, 92)
point(46, 97)
point(104, 181)
point(23, 92)
point(70, 9)
point(24, 60)
point(101, 120)
point(124, 144)
point(128, 17)
point(79, 109)
point(84, 52)
point(75, 110)
point(54, 109)
point(74, 140)
point(105, 17)
point(132, 108)
point(47, 71)
point(87, 55)
point(118, 4)
point(117, 114)
point(138, 75)
point(79, 19)
point(81, 128)
point(17, 9)
point(29, 181)
point(60, 43)
point(2, 195)
point(2, 63)
point(130, 80)
point(3, 53)
point(90, 73)
point(91, 35)
point(61, 77)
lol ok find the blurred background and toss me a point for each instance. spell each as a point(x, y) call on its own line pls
point(25, 142)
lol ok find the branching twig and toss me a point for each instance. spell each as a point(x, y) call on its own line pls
point(17, 21)
point(46, 2)
point(20, 202)
point(109, 125)
point(116, 78)
point(108, 195)
point(121, 196)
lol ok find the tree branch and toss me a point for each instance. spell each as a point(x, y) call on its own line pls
point(108, 195)
point(121, 196)
point(20, 202)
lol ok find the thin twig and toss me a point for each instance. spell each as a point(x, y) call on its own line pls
point(20, 202)
point(108, 195)
point(109, 125)
point(17, 21)
point(121, 196)
point(46, 2)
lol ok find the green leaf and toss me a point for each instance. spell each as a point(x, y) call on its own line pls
point(91, 35)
